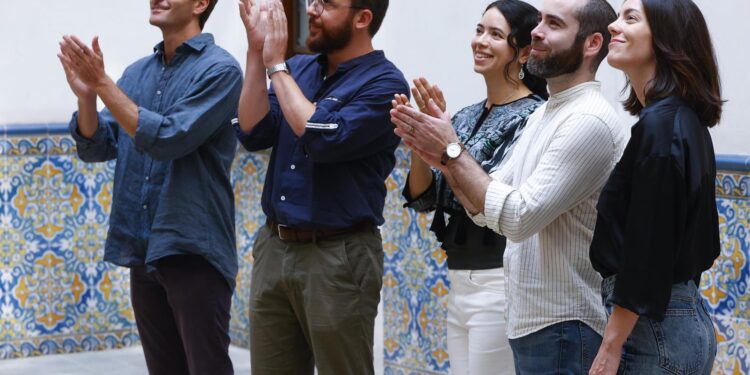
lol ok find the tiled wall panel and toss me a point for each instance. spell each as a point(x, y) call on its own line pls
point(57, 296)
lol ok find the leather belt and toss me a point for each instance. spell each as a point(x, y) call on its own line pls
point(286, 233)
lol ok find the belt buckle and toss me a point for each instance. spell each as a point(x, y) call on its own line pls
point(279, 227)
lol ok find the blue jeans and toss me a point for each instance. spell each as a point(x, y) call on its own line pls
point(684, 343)
point(566, 348)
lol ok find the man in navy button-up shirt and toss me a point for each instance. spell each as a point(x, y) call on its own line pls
point(167, 123)
point(319, 262)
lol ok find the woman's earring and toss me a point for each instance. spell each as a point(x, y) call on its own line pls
point(521, 74)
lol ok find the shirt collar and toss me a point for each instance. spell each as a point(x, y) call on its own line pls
point(196, 43)
point(573, 92)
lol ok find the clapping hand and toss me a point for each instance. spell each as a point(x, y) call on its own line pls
point(255, 18)
point(423, 91)
point(84, 66)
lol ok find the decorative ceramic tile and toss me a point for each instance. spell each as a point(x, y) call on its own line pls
point(56, 295)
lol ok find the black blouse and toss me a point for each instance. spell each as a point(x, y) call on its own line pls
point(657, 222)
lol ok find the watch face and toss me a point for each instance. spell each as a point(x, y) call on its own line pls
point(453, 150)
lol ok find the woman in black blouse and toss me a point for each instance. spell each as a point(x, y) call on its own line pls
point(657, 226)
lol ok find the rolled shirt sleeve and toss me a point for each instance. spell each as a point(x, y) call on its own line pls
point(102, 146)
point(193, 119)
point(338, 132)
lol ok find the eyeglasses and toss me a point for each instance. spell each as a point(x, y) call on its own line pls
point(318, 6)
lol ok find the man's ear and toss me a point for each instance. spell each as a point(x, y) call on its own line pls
point(594, 43)
point(200, 6)
point(363, 19)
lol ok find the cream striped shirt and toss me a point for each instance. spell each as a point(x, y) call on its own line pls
point(544, 201)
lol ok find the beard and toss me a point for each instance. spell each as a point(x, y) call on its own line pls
point(559, 63)
point(331, 39)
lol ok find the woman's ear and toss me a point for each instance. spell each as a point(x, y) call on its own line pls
point(523, 54)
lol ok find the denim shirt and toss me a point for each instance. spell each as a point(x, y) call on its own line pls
point(333, 176)
point(172, 193)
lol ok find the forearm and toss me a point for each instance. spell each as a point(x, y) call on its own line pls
point(459, 194)
point(253, 104)
point(296, 108)
point(124, 110)
point(619, 326)
point(420, 176)
point(88, 118)
point(469, 182)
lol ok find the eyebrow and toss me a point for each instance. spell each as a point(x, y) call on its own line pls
point(630, 10)
point(493, 29)
point(555, 18)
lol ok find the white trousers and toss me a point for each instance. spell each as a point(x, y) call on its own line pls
point(477, 340)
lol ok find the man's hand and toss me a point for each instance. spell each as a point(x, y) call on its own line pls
point(428, 135)
point(80, 89)
point(423, 91)
point(274, 48)
point(255, 18)
point(85, 65)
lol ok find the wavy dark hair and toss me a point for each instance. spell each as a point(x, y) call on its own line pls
point(685, 60)
point(206, 13)
point(522, 18)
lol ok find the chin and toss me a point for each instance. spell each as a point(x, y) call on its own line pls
point(615, 62)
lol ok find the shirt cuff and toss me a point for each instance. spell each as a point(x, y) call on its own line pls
point(147, 129)
point(99, 136)
point(321, 122)
point(494, 202)
point(479, 219)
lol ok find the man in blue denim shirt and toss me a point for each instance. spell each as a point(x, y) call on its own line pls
point(167, 123)
point(319, 262)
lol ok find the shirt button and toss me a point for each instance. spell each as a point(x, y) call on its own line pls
point(158, 92)
point(293, 167)
point(283, 198)
point(147, 178)
point(145, 206)
point(162, 68)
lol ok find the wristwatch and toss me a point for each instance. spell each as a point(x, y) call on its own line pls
point(280, 67)
point(452, 151)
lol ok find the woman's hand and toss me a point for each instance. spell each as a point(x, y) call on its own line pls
point(423, 91)
point(607, 361)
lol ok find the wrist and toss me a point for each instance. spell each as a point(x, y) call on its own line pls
point(87, 100)
point(102, 83)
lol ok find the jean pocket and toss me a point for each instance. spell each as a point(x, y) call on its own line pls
point(681, 339)
point(492, 282)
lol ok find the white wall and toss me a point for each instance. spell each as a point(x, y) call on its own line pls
point(423, 37)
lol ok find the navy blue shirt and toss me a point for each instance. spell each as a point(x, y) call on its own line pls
point(172, 193)
point(333, 176)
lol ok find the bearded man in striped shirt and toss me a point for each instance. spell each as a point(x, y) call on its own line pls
point(543, 199)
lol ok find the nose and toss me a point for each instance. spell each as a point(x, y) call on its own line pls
point(614, 28)
point(537, 33)
point(311, 12)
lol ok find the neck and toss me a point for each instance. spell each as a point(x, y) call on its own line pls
point(639, 81)
point(175, 38)
point(357, 47)
point(566, 81)
point(500, 90)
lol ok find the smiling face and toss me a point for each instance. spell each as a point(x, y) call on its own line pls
point(332, 29)
point(631, 46)
point(490, 46)
point(555, 49)
point(172, 14)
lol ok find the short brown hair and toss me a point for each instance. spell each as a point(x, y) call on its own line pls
point(685, 60)
point(378, 9)
point(206, 13)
